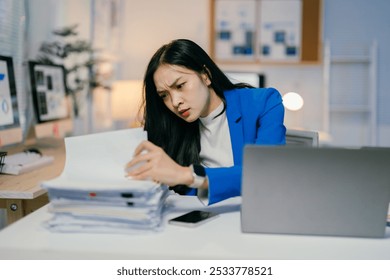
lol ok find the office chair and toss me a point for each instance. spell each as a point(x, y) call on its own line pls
point(302, 138)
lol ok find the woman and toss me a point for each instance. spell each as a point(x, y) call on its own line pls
point(198, 122)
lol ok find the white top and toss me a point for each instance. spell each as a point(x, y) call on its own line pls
point(216, 146)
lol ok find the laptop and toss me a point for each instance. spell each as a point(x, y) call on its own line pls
point(315, 191)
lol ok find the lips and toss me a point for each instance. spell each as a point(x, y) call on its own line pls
point(185, 113)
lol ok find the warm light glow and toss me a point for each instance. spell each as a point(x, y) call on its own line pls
point(126, 100)
point(293, 101)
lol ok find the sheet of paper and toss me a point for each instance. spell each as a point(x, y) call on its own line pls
point(98, 160)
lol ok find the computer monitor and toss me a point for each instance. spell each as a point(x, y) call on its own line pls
point(307, 138)
point(10, 129)
point(252, 78)
point(50, 102)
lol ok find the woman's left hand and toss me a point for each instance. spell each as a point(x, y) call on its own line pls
point(151, 162)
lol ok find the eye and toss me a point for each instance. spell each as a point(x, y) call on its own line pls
point(179, 86)
point(162, 94)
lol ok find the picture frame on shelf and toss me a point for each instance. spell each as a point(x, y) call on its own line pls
point(48, 89)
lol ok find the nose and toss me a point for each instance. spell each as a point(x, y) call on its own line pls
point(176, 98)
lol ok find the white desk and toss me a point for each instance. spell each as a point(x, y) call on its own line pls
point(218, 239)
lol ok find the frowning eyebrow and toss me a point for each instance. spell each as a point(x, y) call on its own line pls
point(170, 86)
point(174, 82)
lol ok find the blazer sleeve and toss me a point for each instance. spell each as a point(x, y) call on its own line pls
point(224, 182)
point(270, 129)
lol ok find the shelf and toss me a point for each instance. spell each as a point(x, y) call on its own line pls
point(350, 59)
point(354, 68)
point(349, 109)
point(222, 32)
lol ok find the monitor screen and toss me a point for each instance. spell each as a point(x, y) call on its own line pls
point(252, 78)
point(51, 105)
point(307, 138)
point(10, 128)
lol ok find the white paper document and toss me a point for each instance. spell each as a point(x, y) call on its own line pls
point(93, 194)
point(101, 157)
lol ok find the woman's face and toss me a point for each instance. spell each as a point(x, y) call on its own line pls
point(185, 92)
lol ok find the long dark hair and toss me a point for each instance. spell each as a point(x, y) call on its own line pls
point(179, 139)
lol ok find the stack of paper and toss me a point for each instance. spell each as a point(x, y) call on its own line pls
point(93, 195)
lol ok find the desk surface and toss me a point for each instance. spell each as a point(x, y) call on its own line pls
point(26, 186)
point(220, 238)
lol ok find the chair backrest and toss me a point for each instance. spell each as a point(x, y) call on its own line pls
point(302, 138)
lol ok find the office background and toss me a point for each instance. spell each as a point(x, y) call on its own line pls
point(347, 27)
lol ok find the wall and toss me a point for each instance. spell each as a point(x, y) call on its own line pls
point(149, 24)
point(152, 23)
point(147, 29)
point(45, 16)
point(360, 20)
point(351, 23)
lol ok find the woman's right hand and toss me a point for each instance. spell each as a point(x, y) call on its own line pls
point(151, 162)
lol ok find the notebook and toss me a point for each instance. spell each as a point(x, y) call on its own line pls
point(315, 191)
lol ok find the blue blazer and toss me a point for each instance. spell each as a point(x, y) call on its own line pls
point(255, 116)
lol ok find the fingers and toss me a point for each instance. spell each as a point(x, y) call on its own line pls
point(137, 160)
point(141, 155)
point(129, 168)
point(138, 171)
point(144, 146)
point(139, 167)
point(143, 176)
point(142, 166)
point(142, 171)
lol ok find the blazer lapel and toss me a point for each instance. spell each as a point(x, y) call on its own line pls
point(235, 123)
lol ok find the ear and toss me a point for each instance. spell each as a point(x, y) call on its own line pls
point(206, 79)
point(206, 76)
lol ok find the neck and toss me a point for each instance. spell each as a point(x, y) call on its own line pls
point(214, 102)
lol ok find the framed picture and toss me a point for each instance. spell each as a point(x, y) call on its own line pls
point(48, 89)
point(235, 29)
point(259, 31)
point(279, 30)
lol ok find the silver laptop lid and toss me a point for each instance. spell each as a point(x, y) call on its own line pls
point(320, 191)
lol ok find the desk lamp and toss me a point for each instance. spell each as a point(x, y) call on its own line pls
point(293, 102)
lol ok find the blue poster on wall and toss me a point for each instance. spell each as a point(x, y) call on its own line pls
point(279, 30)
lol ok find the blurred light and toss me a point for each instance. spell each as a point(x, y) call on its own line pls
point(126, 101)
point(293, 101)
